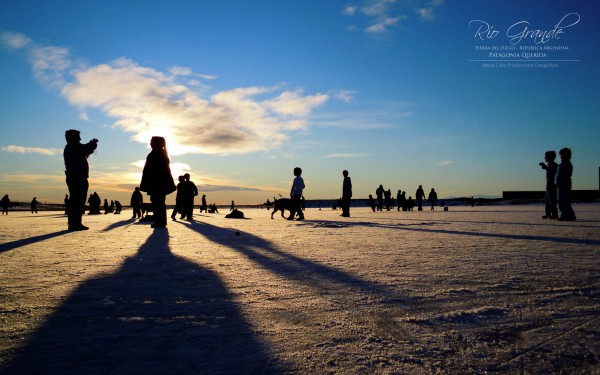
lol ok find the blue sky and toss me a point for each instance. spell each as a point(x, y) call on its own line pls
point(245, 91)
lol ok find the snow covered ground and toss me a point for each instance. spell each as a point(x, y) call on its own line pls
point(470, 290)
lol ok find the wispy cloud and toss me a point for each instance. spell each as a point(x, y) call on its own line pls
point(145, 102)
point(382, 16)
point(31, 150)
point(442, 163)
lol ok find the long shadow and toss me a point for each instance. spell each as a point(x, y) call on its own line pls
point(158, 314)
point(118, 224)
point(31, 240)
point(304, 271)
point(413, 227)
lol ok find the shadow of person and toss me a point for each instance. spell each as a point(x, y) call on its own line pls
point(31, 240)
point(158, 314)
point(304, 271)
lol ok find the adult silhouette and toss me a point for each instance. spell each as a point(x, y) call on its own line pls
point(432, 198)
point(157, 180)
point(77, 171)
point(379, 194)
point(420, 195)
point(550, 197)
point(563, 185)
point(346, 194)
point(5, 204)
point(136, 203)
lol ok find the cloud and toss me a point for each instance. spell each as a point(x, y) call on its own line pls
point(31, 150)
point(442, 163)
point(145, 102)
point(382, 16)
point(14, 40)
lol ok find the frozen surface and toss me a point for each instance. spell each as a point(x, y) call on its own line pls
point(470, 290)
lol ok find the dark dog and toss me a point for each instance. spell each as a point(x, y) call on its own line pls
point(281, 205)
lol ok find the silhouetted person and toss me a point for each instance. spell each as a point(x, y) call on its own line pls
point(96, 204)
point(563, 185)
point(399, 199)
point(410, 204)
point(106, 206)
point(379, 193)
point(77, 171)
point(157, 180)
point(388, 199)
point(432, 198)
point(203, 207)
point(232, 207)
point(550, 197)
point(189, 192)
point(118, 207)
point(34, 203)
point(296, 195)
point(5, 204)
point(346, 194)
point(66, 204)
point(372, 203)
point(136, 203)
point(178, 199)
point(420, 195)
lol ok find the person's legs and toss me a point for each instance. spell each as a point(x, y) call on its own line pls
point(160, 210)
point(78, 188)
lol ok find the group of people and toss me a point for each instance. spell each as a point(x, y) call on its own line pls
point(558, 185)
point(402, 203)
point(157, 181)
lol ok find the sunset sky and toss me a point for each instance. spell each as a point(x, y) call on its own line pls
point(463, 96)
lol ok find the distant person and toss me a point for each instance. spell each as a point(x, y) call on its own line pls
point(66, 204)
point(96, 202)
point(189, 192)
point(118, 207)
point(203, 206)
point(5, 204)
point(106, 206)
point(178, 209)
point(387, 194)
point(136, 203)
point(346, 194)
point(432, 198)
point(420, 195)
point(410, 204)
point(551, 196)
point(34, 204)
point(77, 172)
point(399, 199)
point(157, 180)
point(111, 208)
point(296, 195)
point(379, 193)
point(232, 207)
point(563, 185)
point(372, 202)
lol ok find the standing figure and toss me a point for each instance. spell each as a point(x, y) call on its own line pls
point(399, 199)
point(178, 199)
point(66, 204)
point(34, 203)
point(136, 203)
point(189, 192)
point(5, 204)
point(77, 173)
point(550, 197)
point(372, 202)
point(296, 195)
point(203, 206)
point(420, 195)
point(346, 194)
point(379, 193)
point(157, 180)
point(563, 185)
point(232, 207)
point(388, 199)
point(432, 198)
point(106, 206)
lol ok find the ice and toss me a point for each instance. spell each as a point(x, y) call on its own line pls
point(470, 290)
